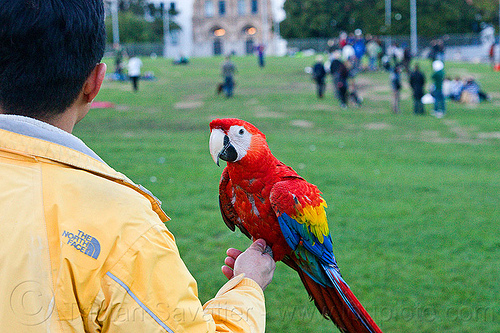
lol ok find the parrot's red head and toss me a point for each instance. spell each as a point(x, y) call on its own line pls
point(234, 140)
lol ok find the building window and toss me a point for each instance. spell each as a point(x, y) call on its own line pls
point(241, 7)
point(222, 7)
point(209, 8)
point(250, 31)
point(255, 6)
point(219, 32)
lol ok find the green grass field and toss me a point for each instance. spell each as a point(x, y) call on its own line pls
point(413, 201)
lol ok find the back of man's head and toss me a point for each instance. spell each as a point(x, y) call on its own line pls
point(48, 48)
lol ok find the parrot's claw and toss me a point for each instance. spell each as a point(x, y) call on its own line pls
point(269, 251)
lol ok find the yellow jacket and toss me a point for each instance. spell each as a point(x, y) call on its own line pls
point(83, 249)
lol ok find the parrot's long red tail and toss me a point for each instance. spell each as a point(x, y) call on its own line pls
point(339, 304)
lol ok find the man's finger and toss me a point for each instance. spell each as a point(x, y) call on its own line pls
point(229, 261)
point(233, 253)
point(227, 271)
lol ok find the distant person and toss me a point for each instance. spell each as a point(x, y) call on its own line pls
point(119, 62)
point(318, 74)
point(396, 88)
point(134, 71)
point(181, 60)
point(260, 55)
point(343, 85)
point(359, 47)
point(348, 52)
point(228, 69)
point(438, 78)
point(492, 55)
point(407, 56)
point(417, 84)
point(447, 85)
point(351, 82)
point(440, 50)
point(335, 64)
point(373, 50)
point(456, 86)
point(472, 93)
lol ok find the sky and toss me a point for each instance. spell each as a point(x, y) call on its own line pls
point(185, 9)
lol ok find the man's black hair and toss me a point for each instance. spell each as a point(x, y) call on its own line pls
point(48, 48)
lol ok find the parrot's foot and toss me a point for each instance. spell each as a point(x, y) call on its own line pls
point(269, 251)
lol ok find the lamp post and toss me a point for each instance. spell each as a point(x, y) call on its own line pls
point(388, 15)
point(166, 27)
point(114, 20)
point(413, 27)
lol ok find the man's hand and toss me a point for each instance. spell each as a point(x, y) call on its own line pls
point(255, 262)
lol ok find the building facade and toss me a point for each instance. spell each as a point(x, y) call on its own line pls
point(231, 26)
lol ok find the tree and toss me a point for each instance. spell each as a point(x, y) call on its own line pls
point(327, 18)
point(141, 22)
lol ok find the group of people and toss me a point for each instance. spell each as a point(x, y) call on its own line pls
point(343, 78)
point(417, 82)
point(464, 90)
point(369, 53)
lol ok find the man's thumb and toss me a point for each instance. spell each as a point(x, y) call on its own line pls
point(259, 245)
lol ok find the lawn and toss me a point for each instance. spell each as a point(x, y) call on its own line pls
point(413, 201)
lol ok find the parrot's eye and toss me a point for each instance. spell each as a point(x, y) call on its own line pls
point(242, 131)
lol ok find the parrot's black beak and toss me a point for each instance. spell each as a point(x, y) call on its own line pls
point(228, 152)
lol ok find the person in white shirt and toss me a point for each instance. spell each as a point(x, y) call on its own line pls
point(134, 71)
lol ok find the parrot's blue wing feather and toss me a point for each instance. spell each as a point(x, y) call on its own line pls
point(298, 234)
point(313, 257)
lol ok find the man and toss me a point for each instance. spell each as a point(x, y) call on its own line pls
point(396, 88)
point(83, 248)
point(319, 73)
point(134, 72)
point(343, 84)
point(417, 84)
point(227, 71)
point(438, 78)
point(335, 65)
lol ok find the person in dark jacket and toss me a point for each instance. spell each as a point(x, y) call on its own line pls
point(342, 85)
point(396, 88)
point(417, 83)
point(335, 65)
point(319, 73)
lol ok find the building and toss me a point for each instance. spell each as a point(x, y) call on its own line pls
point(231, 26)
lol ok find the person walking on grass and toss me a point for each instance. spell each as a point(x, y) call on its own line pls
point(417, 84)
point(318, 74)
point(228, 69)
point(396, 88)
point(438, 78)
point(134, 71)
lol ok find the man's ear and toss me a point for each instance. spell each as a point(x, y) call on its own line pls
point(94, 82)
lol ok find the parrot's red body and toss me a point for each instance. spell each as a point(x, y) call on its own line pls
point(266, 199)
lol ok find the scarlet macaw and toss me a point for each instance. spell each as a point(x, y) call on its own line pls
point(266, 199)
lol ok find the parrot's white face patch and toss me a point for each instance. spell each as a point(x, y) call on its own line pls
point(240, 138)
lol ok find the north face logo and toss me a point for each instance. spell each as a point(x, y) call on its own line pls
point(84, 243)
